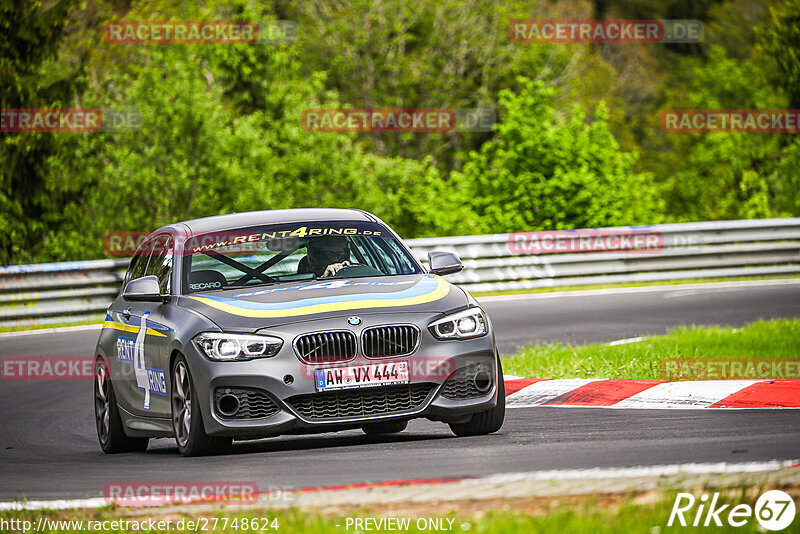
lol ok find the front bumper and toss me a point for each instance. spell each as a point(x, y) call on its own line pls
point(290, 385)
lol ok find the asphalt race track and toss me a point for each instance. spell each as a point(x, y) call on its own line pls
point(49, 450)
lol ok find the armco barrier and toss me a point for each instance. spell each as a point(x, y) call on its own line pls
point(59, 292)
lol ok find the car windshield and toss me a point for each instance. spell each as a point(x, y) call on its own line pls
point(259, 255)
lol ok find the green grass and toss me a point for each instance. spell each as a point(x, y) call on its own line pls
point(632, 284)
point(762, 340)
point(585, 514)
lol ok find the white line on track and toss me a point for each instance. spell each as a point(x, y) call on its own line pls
point(625, 341)
point(61, 504)
point(55, 330)
point(498, 479)
point(642, 471)
point(643, 289)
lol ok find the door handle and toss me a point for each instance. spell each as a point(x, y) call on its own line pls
point(127, 313)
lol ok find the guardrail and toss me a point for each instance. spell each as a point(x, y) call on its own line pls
point(76, 291)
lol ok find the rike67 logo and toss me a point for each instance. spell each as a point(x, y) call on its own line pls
point(774, 510)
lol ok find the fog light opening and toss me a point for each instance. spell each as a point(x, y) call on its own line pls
point(482, 381)
point(228, 405)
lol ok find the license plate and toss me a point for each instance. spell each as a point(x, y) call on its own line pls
point(361, 376)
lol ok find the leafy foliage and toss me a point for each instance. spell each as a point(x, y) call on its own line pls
point(545, 170)
point(29, 38)
point(577, 142)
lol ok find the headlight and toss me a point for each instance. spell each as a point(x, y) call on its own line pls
point(462, 325)
point(230, 347)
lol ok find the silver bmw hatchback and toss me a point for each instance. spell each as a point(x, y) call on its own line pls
point(258, 324)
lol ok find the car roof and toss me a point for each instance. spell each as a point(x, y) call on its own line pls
point(256, 218)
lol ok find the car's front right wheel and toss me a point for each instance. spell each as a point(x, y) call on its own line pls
point(187, 421)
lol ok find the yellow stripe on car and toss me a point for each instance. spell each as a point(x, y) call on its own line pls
point(440, 291)
point(129, 328)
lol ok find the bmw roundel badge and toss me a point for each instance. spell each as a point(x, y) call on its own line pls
point(354, 320)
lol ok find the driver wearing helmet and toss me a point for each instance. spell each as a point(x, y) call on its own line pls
point(326, 255)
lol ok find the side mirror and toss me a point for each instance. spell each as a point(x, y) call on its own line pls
point(444, 263)
point(144, 289)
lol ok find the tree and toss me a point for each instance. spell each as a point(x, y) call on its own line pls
point(220, 132)
point(728, 175)
point(428, 54)
point(782, 42)
point(548, 170)
point(30, 36)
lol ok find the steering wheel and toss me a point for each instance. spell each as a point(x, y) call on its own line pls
point(357, 270)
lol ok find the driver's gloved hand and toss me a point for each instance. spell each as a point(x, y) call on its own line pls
point(333, 268)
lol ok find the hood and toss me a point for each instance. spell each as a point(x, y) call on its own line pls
point(265, 306)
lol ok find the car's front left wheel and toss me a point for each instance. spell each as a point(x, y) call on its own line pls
point(187, 421)
point(110, 431)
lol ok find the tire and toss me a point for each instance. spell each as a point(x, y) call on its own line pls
point(377, 429)
point(110, 432)
point(187, 418)
point(488, 421)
